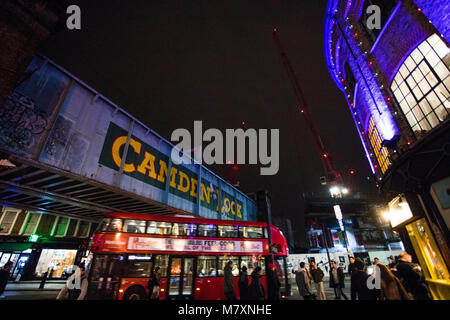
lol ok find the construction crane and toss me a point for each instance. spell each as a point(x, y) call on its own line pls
point(332, 177)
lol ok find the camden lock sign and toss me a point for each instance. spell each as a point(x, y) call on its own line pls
point(147, 164)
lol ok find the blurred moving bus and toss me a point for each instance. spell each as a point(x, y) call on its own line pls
point(191, 253)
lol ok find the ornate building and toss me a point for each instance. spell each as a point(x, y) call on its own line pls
point(396, 79)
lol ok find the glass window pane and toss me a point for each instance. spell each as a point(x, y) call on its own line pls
point(417, 113)
point(33, 219)
point(417, 56)
point(398, 94)
point(103, 226)
point(442, 113)
point(424, 124)
point(424, 86)
point(206, 266)
point(441, 49)
point(138, 266)
point(417, 93)
point(7, 222)
point(157, 227)
point(410, 63)
point(228, 231)
point(207, 230)
point(425, 106)
point(411, 82)
point(115, 226)
point(433, 39)
point(410, 99)
point(441, 70)
point(433, 119)
point(83, 228)
point(162, 261)
point(411, 119)
point(404, 71)
point(252, 232)
point(223, 260)
point(417, 75)
point(184, 229)
point(404, 105)
point(424, 48)
point(433, 100)
point(432, 58)
point(61, 226)
point(404, 88)
point(424, 67)
point(134, 226)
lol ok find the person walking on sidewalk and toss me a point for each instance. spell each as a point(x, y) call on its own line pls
point(317, 276)
point(256, 290)
point(351, 266)
point(304, 282)
point(243, 284)
point(358, 288)
point(228, 281)
point(412, 277)
point(4, 277)
point(337, 278)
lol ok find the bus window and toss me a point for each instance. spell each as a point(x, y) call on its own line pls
point(207, 230)
point(252, 232)
point(162, 261)
point(223, 260)
point(251, 262)
point(138, 266)
point(116, 225)
point(206, 266)
point(157, 227)
point(134, 226)
point(228, 231)
point(183, 229)
point(103, 226)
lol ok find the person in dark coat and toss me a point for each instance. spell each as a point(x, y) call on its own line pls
point(228, 281)
point(4, 276)
point(150, 285)
point(337, 278)
point(351, 266)
point(391, 287)
point(358, 287)
point(412, 278)
point(273, 283)
point(256, 290)
point(243, 284)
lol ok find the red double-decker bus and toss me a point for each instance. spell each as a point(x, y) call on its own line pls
point(191, 254)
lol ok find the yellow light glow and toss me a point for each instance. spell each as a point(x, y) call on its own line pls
point(121, 290)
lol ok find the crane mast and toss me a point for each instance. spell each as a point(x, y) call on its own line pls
point(332, 177)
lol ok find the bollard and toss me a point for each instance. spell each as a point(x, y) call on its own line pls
point(44, 278)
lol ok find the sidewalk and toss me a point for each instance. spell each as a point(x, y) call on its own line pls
point(329, 292)
point(50, 285)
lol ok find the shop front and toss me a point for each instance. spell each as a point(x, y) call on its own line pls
point(425, 241)
point(18, 254)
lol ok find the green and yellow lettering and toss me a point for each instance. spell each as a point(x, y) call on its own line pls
point(205, 192)
point(194, 183)
point(162, 171)
point(117, 158)
point(148, 164)
point(183, 177)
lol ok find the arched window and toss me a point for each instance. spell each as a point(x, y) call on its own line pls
point(421, 86)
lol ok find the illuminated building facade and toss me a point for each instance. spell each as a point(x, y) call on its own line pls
point(391, 60)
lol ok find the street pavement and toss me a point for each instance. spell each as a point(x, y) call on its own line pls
point(29, 290)
point(329, 292)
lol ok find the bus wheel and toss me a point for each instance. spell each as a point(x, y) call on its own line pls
point(135, 293)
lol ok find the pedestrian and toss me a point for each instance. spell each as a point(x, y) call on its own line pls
point(303, 280)
point(256, 290)
point(358, 287)
point(150, 284)
point(376, 261)
point(412, 277)
point(391, 263)
point(4, 277)
point(228, 281)
point(337, 278)
point(243, 284)
point(391, 287)
point(351, 266)
point(154, 295)
point(75, 287)
point(317, 276)
point(273, 283)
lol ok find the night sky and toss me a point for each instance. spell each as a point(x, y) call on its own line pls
point(169, 63)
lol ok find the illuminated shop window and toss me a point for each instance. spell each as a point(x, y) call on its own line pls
point(380, 152)
point(421, 86)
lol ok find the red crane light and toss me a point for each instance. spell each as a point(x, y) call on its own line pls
point(352, 171)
